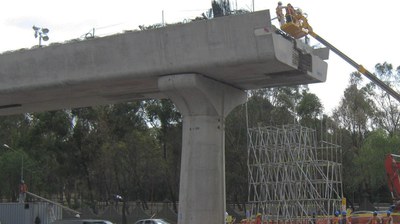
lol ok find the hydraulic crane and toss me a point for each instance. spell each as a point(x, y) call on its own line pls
point(299, 27)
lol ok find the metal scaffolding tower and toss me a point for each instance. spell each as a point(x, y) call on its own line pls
point(291, 177)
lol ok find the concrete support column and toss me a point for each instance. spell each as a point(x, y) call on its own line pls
point(204, 104)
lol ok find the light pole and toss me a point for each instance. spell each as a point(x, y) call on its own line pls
point(41, 33)
point(22, 160)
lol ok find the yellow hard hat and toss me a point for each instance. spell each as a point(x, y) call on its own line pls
point(258, 214)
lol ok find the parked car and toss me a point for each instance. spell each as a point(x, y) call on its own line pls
point(82, 221)
point(151, 221)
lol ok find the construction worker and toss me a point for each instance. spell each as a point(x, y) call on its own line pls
point(229, 219)
point(290, 13)
point(279, 13)
point(345, 219)
point(375, 219)
point(302, 21)
point(335, 219)
point(23, 188)
point(314, 219)
point(389, 218)
point(258, 219)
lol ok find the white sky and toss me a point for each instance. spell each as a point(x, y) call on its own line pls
point(364, 30)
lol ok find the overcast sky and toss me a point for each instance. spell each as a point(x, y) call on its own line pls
point(367, 31)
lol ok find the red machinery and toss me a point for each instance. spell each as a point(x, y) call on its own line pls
point(393, 171)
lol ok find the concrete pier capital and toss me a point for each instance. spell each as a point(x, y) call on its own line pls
point(195, 94)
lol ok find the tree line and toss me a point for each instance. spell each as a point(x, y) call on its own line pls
point(88, 155)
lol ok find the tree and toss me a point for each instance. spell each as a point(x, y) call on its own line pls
point(355, 110)
point(388, 113)
point(308, 108)
point(354, 116)
point(274, 105)
point(369, 164)
point(236, 150)
point(166, 121)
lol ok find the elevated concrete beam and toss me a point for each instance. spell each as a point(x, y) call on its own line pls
point(243, 51)
point(204, 104)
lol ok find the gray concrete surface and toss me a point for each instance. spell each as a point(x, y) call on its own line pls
point(204, 104)
point(204, 67)
point(241, 51)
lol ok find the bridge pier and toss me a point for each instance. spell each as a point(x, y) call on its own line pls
point(204, 104)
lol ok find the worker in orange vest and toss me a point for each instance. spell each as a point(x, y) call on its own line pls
point(345, 219)
point(245, 221)
point(23, 188)
point(279, 13)
point(290, 13)
point(335, 219)
point(258, 219)
point(389, 218)
point(375, 219)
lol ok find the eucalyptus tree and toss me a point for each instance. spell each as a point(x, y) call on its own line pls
point(356, 110)
point(388, 108)
point(166, 121)
point(309, 108)
point(13, 131)
point(354, 116)
point(236, 149)
point(276, 106)
point(369, 164)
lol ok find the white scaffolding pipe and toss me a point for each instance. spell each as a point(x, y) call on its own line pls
point(290, 177)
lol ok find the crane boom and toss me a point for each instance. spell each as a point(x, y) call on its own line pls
point(299, 27)
point(359, 67)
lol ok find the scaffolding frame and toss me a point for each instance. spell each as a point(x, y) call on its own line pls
point(291, 177)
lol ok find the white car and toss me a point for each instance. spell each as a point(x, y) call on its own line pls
point(151, 221)
point(82, 221)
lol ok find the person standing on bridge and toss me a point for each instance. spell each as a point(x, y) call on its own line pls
point(290, 13)
point(279, 13)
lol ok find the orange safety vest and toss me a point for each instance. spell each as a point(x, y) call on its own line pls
point(290, 10)
point(23, 188)
point(374, 220)
point(347, 219)
point(388, 220)
point(335, 220)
